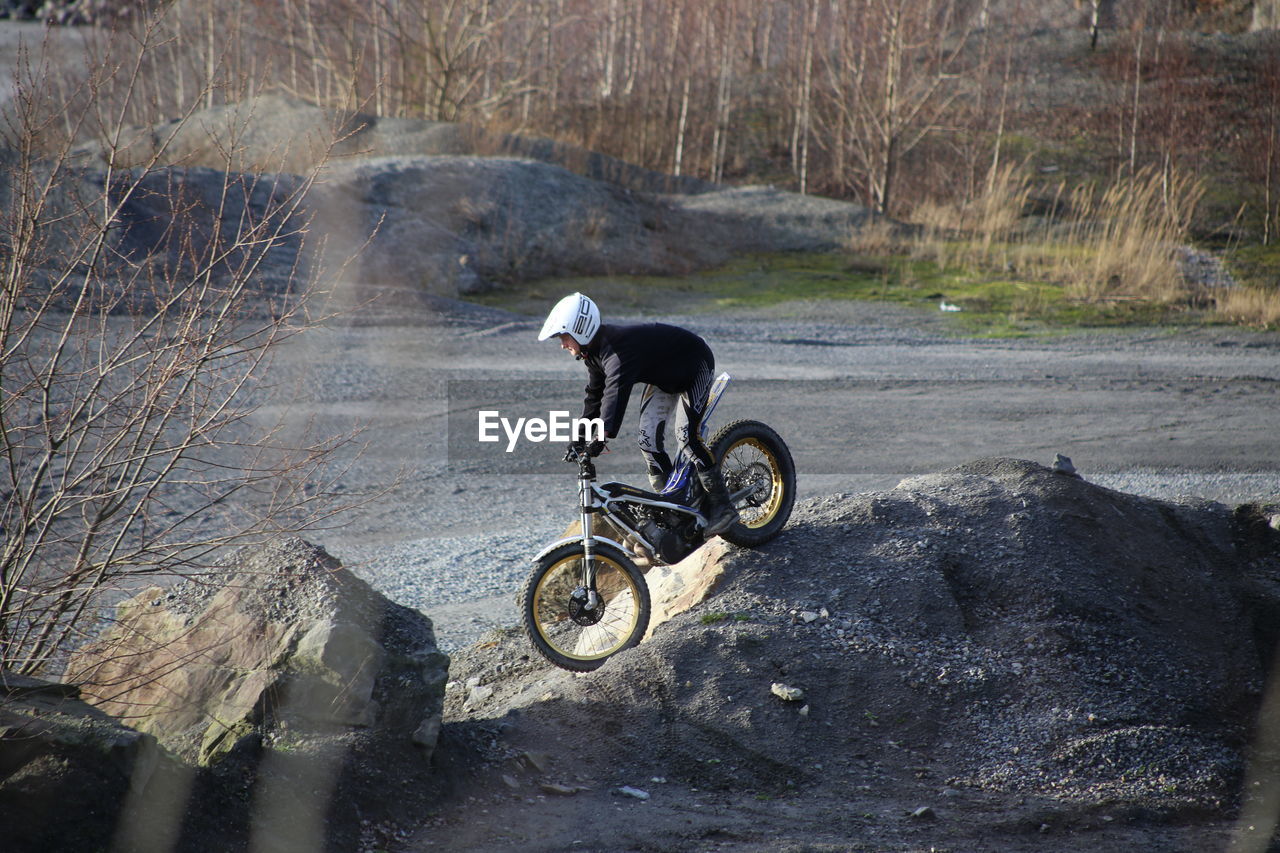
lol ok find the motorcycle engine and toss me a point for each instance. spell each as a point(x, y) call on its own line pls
point(670, 546)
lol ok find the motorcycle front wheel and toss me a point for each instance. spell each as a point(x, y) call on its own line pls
point(570, 627)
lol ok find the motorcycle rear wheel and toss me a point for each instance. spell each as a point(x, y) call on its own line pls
point(751, 454)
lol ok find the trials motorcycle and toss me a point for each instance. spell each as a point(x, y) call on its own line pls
point(586, 599)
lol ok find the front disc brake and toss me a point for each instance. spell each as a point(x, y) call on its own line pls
point(580, 609)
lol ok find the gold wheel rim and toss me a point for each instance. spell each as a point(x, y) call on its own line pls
point(751, 453)
point(621, 602)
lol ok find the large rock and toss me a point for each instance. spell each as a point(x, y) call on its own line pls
point(292, 643)
point(672, 589)
point(675, 589)
point(70, 776)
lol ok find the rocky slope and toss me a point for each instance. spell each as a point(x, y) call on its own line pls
point(1000, 645)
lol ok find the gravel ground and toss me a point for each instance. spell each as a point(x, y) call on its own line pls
point(470, 583)
point(883, 392)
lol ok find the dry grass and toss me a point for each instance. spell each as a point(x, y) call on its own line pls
point(1106, 244)
point(1112, 243)
point(977, 235)
point(879, 237)
point(1128, 233)
point(1250, 306)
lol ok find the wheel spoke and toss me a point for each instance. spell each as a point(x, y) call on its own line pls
point(590, 634)
point(749, 464)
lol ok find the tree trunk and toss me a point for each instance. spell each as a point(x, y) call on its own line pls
point(889, 111)
point(804, 107)
point(680, 129)
point(1137, 104)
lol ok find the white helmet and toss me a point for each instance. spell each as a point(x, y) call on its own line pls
point(575, 314)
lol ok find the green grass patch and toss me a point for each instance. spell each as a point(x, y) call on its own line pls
point(1256, 265)
point(992, 305)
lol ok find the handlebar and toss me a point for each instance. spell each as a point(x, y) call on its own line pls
point(582, 455)
point(577, 452)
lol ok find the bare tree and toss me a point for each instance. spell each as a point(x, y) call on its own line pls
point(138, 311)
point(804, 97)
point(888, 79)
point(1097, 14)
point(725, 74)
point(1258, 144)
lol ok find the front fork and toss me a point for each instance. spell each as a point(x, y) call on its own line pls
point(589, 509)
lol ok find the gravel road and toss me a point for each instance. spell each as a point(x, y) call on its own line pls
point(865, 395)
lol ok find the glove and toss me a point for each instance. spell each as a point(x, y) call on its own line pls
point(578, 449)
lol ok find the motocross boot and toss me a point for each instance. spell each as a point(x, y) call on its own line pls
point(717, 507)
point(657, 479)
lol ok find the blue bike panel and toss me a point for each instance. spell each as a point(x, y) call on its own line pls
point(677, 485)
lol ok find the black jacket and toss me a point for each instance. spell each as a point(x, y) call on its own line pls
point(653, 354)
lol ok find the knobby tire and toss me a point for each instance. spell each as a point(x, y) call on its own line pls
point(584, 642)
point(752, 453)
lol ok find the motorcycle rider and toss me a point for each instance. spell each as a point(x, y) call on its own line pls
point(676, 367)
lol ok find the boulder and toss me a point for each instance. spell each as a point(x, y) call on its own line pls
point(67, 769)
point(675, 589)
point(290, 645)
point(672, 589)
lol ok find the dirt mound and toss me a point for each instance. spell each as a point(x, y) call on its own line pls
point(437, 209)
point(994, 639)
point(280, 133)
point(450, 224)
